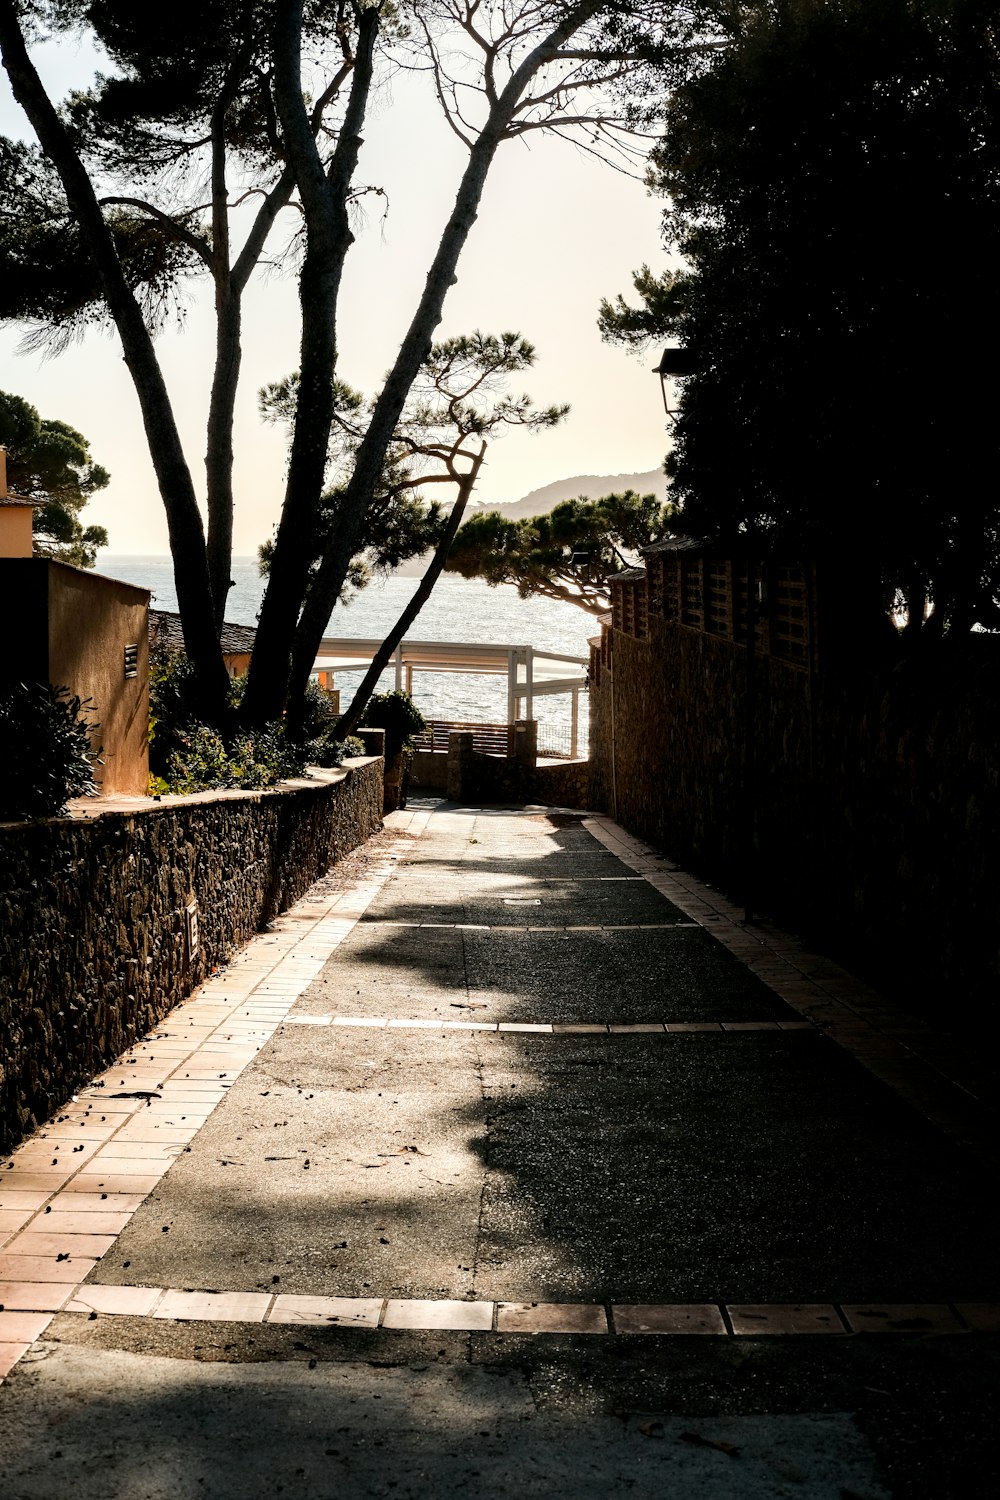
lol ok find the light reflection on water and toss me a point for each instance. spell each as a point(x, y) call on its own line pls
point(459, 609)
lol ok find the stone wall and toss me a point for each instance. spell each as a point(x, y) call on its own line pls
point(94, 943)
point(430, 771)
point(875, 807)
point(518, 778)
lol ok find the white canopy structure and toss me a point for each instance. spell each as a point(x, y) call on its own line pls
point(530, 672)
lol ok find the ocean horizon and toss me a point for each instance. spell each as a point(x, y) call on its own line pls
point(459, 609)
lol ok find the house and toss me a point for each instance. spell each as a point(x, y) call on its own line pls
point(81, 632)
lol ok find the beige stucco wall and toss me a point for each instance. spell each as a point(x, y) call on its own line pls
point(15, 530)
point(91, 621)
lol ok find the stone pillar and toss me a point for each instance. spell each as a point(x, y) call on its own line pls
point(459, 757)
point(373, 740)
point(524, 744)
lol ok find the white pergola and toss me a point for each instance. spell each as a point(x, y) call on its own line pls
point(530, 672)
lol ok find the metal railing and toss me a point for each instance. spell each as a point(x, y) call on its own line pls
point(555, 742)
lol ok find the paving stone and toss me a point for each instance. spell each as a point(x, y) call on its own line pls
point(242, 1307)
point(668, 1318)
point(760, 1319)
point(644, 1026)
point(126, 1185)
point(33, 1296)
point(131, 1301)
point(9, 1356)
point(445, 1313)
point(749, 1025)
point(90, 1220)
point(17, 1199)
point(44, 1242)
point(22, 1327)
point(353, 1312)
point(901, 1317)
point(13, 1219)
point(551, 1317)
point(44, 1268)
point(982, 1317)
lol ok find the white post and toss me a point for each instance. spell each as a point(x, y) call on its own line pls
point(511, 685)
point(409, 678)
point(399, 665)
point(529, 707)
point(574, 724)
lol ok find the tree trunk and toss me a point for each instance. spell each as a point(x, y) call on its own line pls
point(225, 379)
point(324, 590)
point(219, 456)
point(219, 448)
point(187, 536)
point(348, 722)
point(324, 202)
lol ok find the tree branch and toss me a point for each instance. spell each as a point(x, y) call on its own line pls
point(196, 242)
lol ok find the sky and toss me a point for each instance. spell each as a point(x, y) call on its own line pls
point(557, 231)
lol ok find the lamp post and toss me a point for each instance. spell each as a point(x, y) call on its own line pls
point(674, 363)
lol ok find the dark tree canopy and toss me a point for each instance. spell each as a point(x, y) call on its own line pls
point(50, 461)
point(834, 185)
point(567, 554)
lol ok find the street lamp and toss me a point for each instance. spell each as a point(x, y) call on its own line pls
point(674, 363)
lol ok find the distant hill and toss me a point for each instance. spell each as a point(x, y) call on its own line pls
point(540, 501)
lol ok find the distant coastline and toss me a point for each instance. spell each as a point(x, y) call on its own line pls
point(539, 502)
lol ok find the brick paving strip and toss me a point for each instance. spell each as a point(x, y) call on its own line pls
point(720, 1319)
point(551, 1028)
point(71, 1189)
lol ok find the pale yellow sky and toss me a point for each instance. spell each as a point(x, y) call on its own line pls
point(557, 231)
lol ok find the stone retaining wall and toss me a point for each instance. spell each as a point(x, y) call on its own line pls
point(518, 778)
point(876, 799)
point(94, 928)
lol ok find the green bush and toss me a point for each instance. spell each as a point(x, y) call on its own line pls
point(186, 755)
point(45, 750)
point(325, 751)
point(319, 714)
point(173, 712)
point(250, 761)
point(399, 716)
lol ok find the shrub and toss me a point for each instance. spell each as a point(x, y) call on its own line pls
point(45, 750)
point(173, 713)
point(399, 716)
point(325, 751)
point(318, 714)
point(204, 760)
point(186, 755)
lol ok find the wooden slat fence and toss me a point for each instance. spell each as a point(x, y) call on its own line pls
point(708, 593)
point(487, 739)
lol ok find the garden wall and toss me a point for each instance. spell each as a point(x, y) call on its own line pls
point(94, 928)
point(875, 807)
point(518, 778)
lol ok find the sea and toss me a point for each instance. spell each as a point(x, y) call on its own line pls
point(459, 609)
